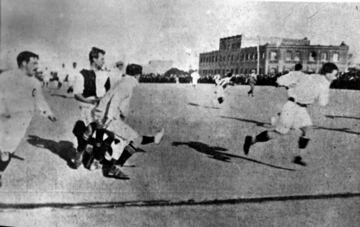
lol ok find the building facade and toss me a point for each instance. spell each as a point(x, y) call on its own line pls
point(273, 57)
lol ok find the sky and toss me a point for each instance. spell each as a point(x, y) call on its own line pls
point(137, 31)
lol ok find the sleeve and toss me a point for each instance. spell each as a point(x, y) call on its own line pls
point(4, 110)
point(41, 102)
point(78, 84)
point(286, 80)
point(324, 96)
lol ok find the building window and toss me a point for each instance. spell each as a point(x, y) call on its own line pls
point(335, 57)
point(273, 70)
point(273, 56)
point(288, 56)
point(324, 57)
point(312, 56)
point(263, 55)
point(297, 56)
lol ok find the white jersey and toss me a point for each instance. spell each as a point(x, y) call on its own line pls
point(306, 89)
point(62, 74)
point(73, 77)
point(195, 76)
point(116, 102)
point(21, 93)
point(223, 82)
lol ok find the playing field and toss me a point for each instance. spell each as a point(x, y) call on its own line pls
point(199, 160)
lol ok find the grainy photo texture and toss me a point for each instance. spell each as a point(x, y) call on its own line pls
point(179, 113)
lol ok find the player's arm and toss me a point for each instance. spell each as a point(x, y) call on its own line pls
point(42, 104)
point(323, 98)
point(4, 110)
point(91, 100)
point(288, 80)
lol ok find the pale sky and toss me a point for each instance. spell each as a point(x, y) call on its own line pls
point(141, 30)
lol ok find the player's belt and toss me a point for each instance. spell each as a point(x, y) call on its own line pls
point(300, 104)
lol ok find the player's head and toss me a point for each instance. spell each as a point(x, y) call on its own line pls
point(298, 67)
point(253, 71)
point(28, 61)
point(134, 70)
point(329, 70)
point(74, 65)
point(97, 57)
point(119, 65)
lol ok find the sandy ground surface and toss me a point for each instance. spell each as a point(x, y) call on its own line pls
point(199, 159)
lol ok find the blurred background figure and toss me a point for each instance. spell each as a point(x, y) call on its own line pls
point(252, 82)
point(195, 77)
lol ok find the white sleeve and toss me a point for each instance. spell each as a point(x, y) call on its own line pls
point(41, 102)
point(3, 104)
point(324, 96)
point(78, 84)
point(287, 79)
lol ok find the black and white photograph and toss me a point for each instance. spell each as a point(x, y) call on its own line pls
point(179, 113)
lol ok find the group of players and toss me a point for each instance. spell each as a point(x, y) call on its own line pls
point(102, 136)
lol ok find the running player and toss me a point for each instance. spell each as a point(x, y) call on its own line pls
point(303, 90)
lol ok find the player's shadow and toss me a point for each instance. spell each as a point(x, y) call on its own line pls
point(258, 123)
point(204, 106)
point(64, 149)
point(339, 116)
point(215, 153)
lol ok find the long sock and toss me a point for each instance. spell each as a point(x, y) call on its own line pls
point(262, 137)
point(303, 142)
point(147, 139)
point(124, 157)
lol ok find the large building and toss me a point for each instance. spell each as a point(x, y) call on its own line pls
point(274, 57)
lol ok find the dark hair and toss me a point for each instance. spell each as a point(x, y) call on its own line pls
point(94, 53)
point(133, 69)
point(25, 56)
point(328, 68)
point(298, 67)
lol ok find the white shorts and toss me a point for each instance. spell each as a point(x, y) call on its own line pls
point(13, 129)
point(85, 112)
point(292, 116)
point(123, 131)
point(220, 92)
